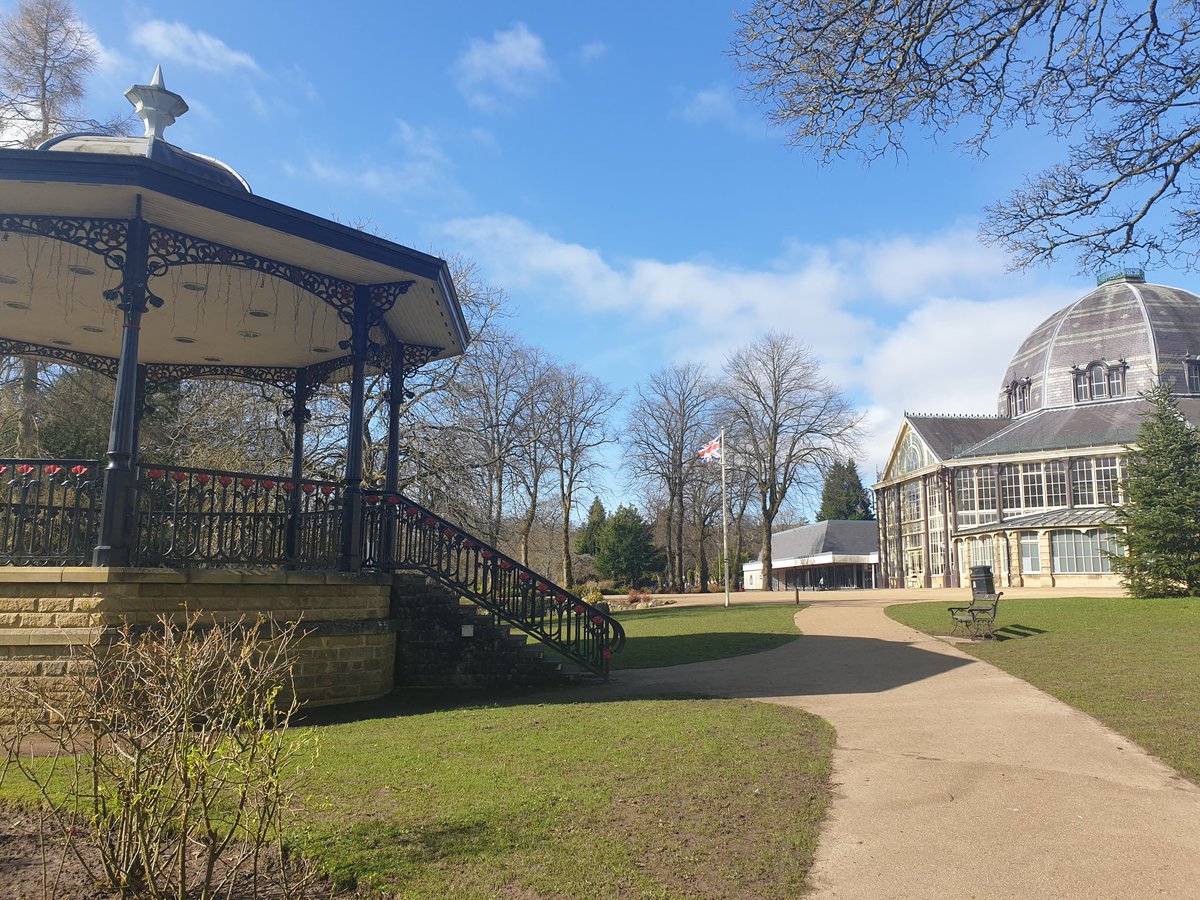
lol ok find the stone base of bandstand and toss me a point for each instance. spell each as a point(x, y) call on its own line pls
point(347, 655)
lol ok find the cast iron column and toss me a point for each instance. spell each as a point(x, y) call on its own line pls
point(352, 496)
point(299, 420)
point(113, 548)
point(391, 475)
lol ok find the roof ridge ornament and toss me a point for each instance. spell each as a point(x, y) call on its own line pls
point(155, 105)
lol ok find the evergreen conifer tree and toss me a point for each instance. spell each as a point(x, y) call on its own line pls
point(1162, 509)
point(844, 496)
point(627, 553)
point(588, 539)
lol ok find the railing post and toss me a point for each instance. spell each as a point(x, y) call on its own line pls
point(352, 494)
point(113, 547)
point(299, 417)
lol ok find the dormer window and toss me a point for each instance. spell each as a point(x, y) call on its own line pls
point(1099, 380)
point(1018, 398)
point(1193, 375)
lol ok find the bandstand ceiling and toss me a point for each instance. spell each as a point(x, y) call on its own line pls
point(51, 292)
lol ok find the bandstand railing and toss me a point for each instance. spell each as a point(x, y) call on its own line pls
point(183, 516)
point(401, 534)
point(49, 511)
point(208, 517)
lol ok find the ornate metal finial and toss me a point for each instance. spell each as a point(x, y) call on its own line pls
point(155, 105)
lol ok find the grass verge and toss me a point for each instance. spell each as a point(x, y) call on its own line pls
point(1132, 664)
point(671, 635)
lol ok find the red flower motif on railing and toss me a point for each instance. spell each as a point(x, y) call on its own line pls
point(449, 531)
point(393, 499)
point(505, 565)
point(580, 608)
point(371, 498)
point(201, 478)
point(597, 620)
point(247, 482)
point(308, 488)
point(154, 473)
point(24, 469)
point(411, 511)
point(179, 476)
point(469, 544)
point(3, 469)
point(487, 554)
point(52, 469)
point(560, 599)
point(524, 576)
point(606, 653)
point(327, 489)
point(430, 520)
point(80, 470)
point(225, 480)
point(268, 484)
point(289, 485)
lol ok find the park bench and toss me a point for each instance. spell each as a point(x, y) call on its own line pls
point(979, 618)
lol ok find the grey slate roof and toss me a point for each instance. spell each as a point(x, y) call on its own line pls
point(833, 536)
point(1101, 424)
point(1088, 516)
point(946, 435)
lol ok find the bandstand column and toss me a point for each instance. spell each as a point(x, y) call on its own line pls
point(113, 547)
point(299, 420)
point(391, 476)
point(353, 502)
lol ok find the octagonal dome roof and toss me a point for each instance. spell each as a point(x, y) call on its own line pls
point(158, 108)
point(1123, 326)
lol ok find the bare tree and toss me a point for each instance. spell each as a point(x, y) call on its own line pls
point(1117, 83)
point(46, 55)
point(532, 459)
point(579, 419)
point(671, 418)
point(786, 423)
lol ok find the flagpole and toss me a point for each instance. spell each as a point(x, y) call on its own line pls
point(724, 519)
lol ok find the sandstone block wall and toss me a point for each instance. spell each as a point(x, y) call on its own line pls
point(347, 655)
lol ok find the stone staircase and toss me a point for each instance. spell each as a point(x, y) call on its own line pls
point(443, 641)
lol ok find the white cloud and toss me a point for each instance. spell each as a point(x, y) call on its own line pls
point(945, 354)
point(592, 51)
point(176, 42)
point(512, 64)
point(720, 106)
point(419, 168)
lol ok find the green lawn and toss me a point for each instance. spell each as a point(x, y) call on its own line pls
point(1133, 664)
point(670, 635)
point(651, 798)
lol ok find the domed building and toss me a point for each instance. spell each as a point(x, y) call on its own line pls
point(1030, 490)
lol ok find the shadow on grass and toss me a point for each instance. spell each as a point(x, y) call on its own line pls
point(1008, 632)
point(677, 649)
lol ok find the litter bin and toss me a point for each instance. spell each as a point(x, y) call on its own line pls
point(982, 581)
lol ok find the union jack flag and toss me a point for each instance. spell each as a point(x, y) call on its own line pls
point(711, 451)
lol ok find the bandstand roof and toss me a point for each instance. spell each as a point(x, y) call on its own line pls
point(245, 281)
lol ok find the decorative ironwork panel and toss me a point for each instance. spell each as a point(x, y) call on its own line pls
point(105, 365)
point(281, 377)
point(384, 296)
point(208, 517)
point(401, 534)
point(107, 237)
point(49, 511)
point(173, 248)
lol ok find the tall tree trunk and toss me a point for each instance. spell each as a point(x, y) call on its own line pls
point(679, 571)
point(527, 527)
point(672, 549)
point(702, 561)
point(27, 441)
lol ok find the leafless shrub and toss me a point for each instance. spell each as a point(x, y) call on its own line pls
point(169, 754)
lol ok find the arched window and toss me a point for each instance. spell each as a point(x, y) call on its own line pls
point(1018, 398)
point(1099, 380)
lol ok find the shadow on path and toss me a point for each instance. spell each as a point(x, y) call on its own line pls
point(809, 665)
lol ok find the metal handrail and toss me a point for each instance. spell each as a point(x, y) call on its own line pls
point(49, 511)
point(399, 533)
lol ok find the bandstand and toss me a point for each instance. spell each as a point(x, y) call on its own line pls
point(149, 264)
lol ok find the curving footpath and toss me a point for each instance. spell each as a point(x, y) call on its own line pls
point(954, 779)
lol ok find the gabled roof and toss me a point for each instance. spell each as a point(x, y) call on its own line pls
point(947, 435)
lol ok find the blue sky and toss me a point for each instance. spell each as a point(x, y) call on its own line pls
point(599, 163)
